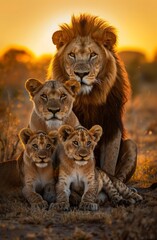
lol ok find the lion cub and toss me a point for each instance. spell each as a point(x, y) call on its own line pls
point(77, 171)
point(53, 102)
point(36, 166)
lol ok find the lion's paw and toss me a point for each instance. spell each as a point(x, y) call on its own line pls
point(63, 206)
point(138, 198)
point(135, 199)
point(87, 206)
point(120, 201)
point(40, 204)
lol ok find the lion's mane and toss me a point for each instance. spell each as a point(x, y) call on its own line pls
point(97, 107)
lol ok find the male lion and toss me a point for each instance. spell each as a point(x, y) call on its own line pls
point(85, 51)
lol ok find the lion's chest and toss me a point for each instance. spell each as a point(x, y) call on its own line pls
point(77, 180)
point(41, 180)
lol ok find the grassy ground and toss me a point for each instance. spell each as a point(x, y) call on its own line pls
point(18, 221)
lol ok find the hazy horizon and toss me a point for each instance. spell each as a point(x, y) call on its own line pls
point(119, 50)
point(31, 23)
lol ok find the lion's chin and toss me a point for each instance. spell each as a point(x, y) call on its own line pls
point(53, 123)
point(41, 165)
point(86, 89)
point(81, 163)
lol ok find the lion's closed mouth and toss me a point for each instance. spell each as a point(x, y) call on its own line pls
point(81, 162)
point(53, 118)
point(84, 84)
point(41, 165)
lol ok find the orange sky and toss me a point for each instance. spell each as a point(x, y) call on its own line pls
point(31, 23)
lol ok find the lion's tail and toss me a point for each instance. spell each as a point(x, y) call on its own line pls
point(151, 188)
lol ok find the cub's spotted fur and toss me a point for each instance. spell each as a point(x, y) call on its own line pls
point(77, 171)
point(36, 166)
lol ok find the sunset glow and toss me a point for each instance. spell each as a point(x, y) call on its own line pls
point(31, 23)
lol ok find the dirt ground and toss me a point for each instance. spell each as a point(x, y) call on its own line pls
point(18, 221)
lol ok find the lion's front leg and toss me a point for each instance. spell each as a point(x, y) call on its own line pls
point(127, 160)
point(88, 201)
point(109, 154)
point(34, 198)
point(62, 196)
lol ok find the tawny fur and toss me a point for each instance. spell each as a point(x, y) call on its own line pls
point(86, 52)
point(77, 171)
point(53, 102)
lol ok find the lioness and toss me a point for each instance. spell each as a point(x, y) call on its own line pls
point(77, 170)
point(53, 102)
point(86, 52)
point(36, 166)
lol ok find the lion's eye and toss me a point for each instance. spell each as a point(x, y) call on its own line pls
point(72, 55)
point(89, 143)
point(44, 97)
point(48, 146)
point(93, 55)
point(75, 143)
point(63, 96)
point(35, 146)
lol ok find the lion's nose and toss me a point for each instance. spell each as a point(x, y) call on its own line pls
point(53, 110)
point(81, 74)
point(83, 153)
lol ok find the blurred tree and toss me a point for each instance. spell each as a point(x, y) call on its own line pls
point(134, 61)
point(155, 56)
point(149, 72)
point(15, 68)
point(40, 67)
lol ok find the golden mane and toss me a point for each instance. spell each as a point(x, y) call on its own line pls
point(88, 107)
point(85, 25)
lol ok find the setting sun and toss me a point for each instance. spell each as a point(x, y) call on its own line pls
point(31, 23)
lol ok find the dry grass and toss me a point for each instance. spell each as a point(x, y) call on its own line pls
point(141, 121)
point(14, 116)
point(18, 221)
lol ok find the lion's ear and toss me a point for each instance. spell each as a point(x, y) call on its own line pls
point(64, 132)
point(73, 86)
point(25, 135)
point(54, 136)
point(59, 38)
point(109, 38)
point(32, 86)
point(96, 131)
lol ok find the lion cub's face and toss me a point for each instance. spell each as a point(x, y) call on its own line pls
point(79, 143)
point(53, 100)
point(38, 146)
